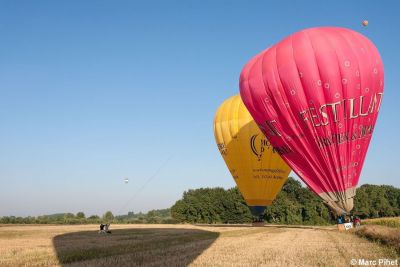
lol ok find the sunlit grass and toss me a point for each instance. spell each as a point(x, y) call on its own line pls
point(393, 222)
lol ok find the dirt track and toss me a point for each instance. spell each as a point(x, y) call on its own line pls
point(181, 245)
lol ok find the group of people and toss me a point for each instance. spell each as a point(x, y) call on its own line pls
point(356, 221)
point(104, 229)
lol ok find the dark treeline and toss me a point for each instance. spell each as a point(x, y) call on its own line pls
point(294, 205)
point(153, 216)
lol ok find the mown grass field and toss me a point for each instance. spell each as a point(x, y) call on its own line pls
point(183, 245)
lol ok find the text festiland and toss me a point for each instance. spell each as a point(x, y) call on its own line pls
point(339, 111)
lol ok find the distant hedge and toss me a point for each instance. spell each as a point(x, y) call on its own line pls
point(153, 216)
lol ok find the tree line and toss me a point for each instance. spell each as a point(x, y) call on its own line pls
point(153, 216)
point(295, 204)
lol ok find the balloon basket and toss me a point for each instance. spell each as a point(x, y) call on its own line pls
point(344, 226)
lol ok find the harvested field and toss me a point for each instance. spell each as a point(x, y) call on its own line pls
point(182, 245)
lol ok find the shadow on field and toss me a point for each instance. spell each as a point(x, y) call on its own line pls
point(133, 247)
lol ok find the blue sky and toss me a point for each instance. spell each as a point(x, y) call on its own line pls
point(95, 91)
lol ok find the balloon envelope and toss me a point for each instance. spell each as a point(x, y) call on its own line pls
point(316, 96)
point(256, 167)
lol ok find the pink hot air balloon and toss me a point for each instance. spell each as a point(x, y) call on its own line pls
point(316, 96)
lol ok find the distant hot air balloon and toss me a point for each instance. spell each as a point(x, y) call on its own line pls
point(365, 23)
point(316, 96)
point(256, 167)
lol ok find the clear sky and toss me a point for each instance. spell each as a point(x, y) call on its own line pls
point(95, 91)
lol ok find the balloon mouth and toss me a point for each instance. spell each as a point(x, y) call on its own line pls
point(258, 202)
point(257, 211)
point(338, 209)
point(340, 202)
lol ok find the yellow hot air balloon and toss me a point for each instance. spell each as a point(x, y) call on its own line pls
point(256, 167)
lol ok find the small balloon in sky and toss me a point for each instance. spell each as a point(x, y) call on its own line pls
point(126, 180)
point(365, 23)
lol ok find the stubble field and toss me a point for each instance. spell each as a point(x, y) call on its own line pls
point(183, 245)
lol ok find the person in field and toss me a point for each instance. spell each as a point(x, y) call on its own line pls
point(104, 229)
point(357, 222)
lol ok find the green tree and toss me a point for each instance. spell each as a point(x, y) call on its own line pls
point(293, 205)
point(80, 215)
point(211, 205)
point(108, 216)
point(69, 216)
